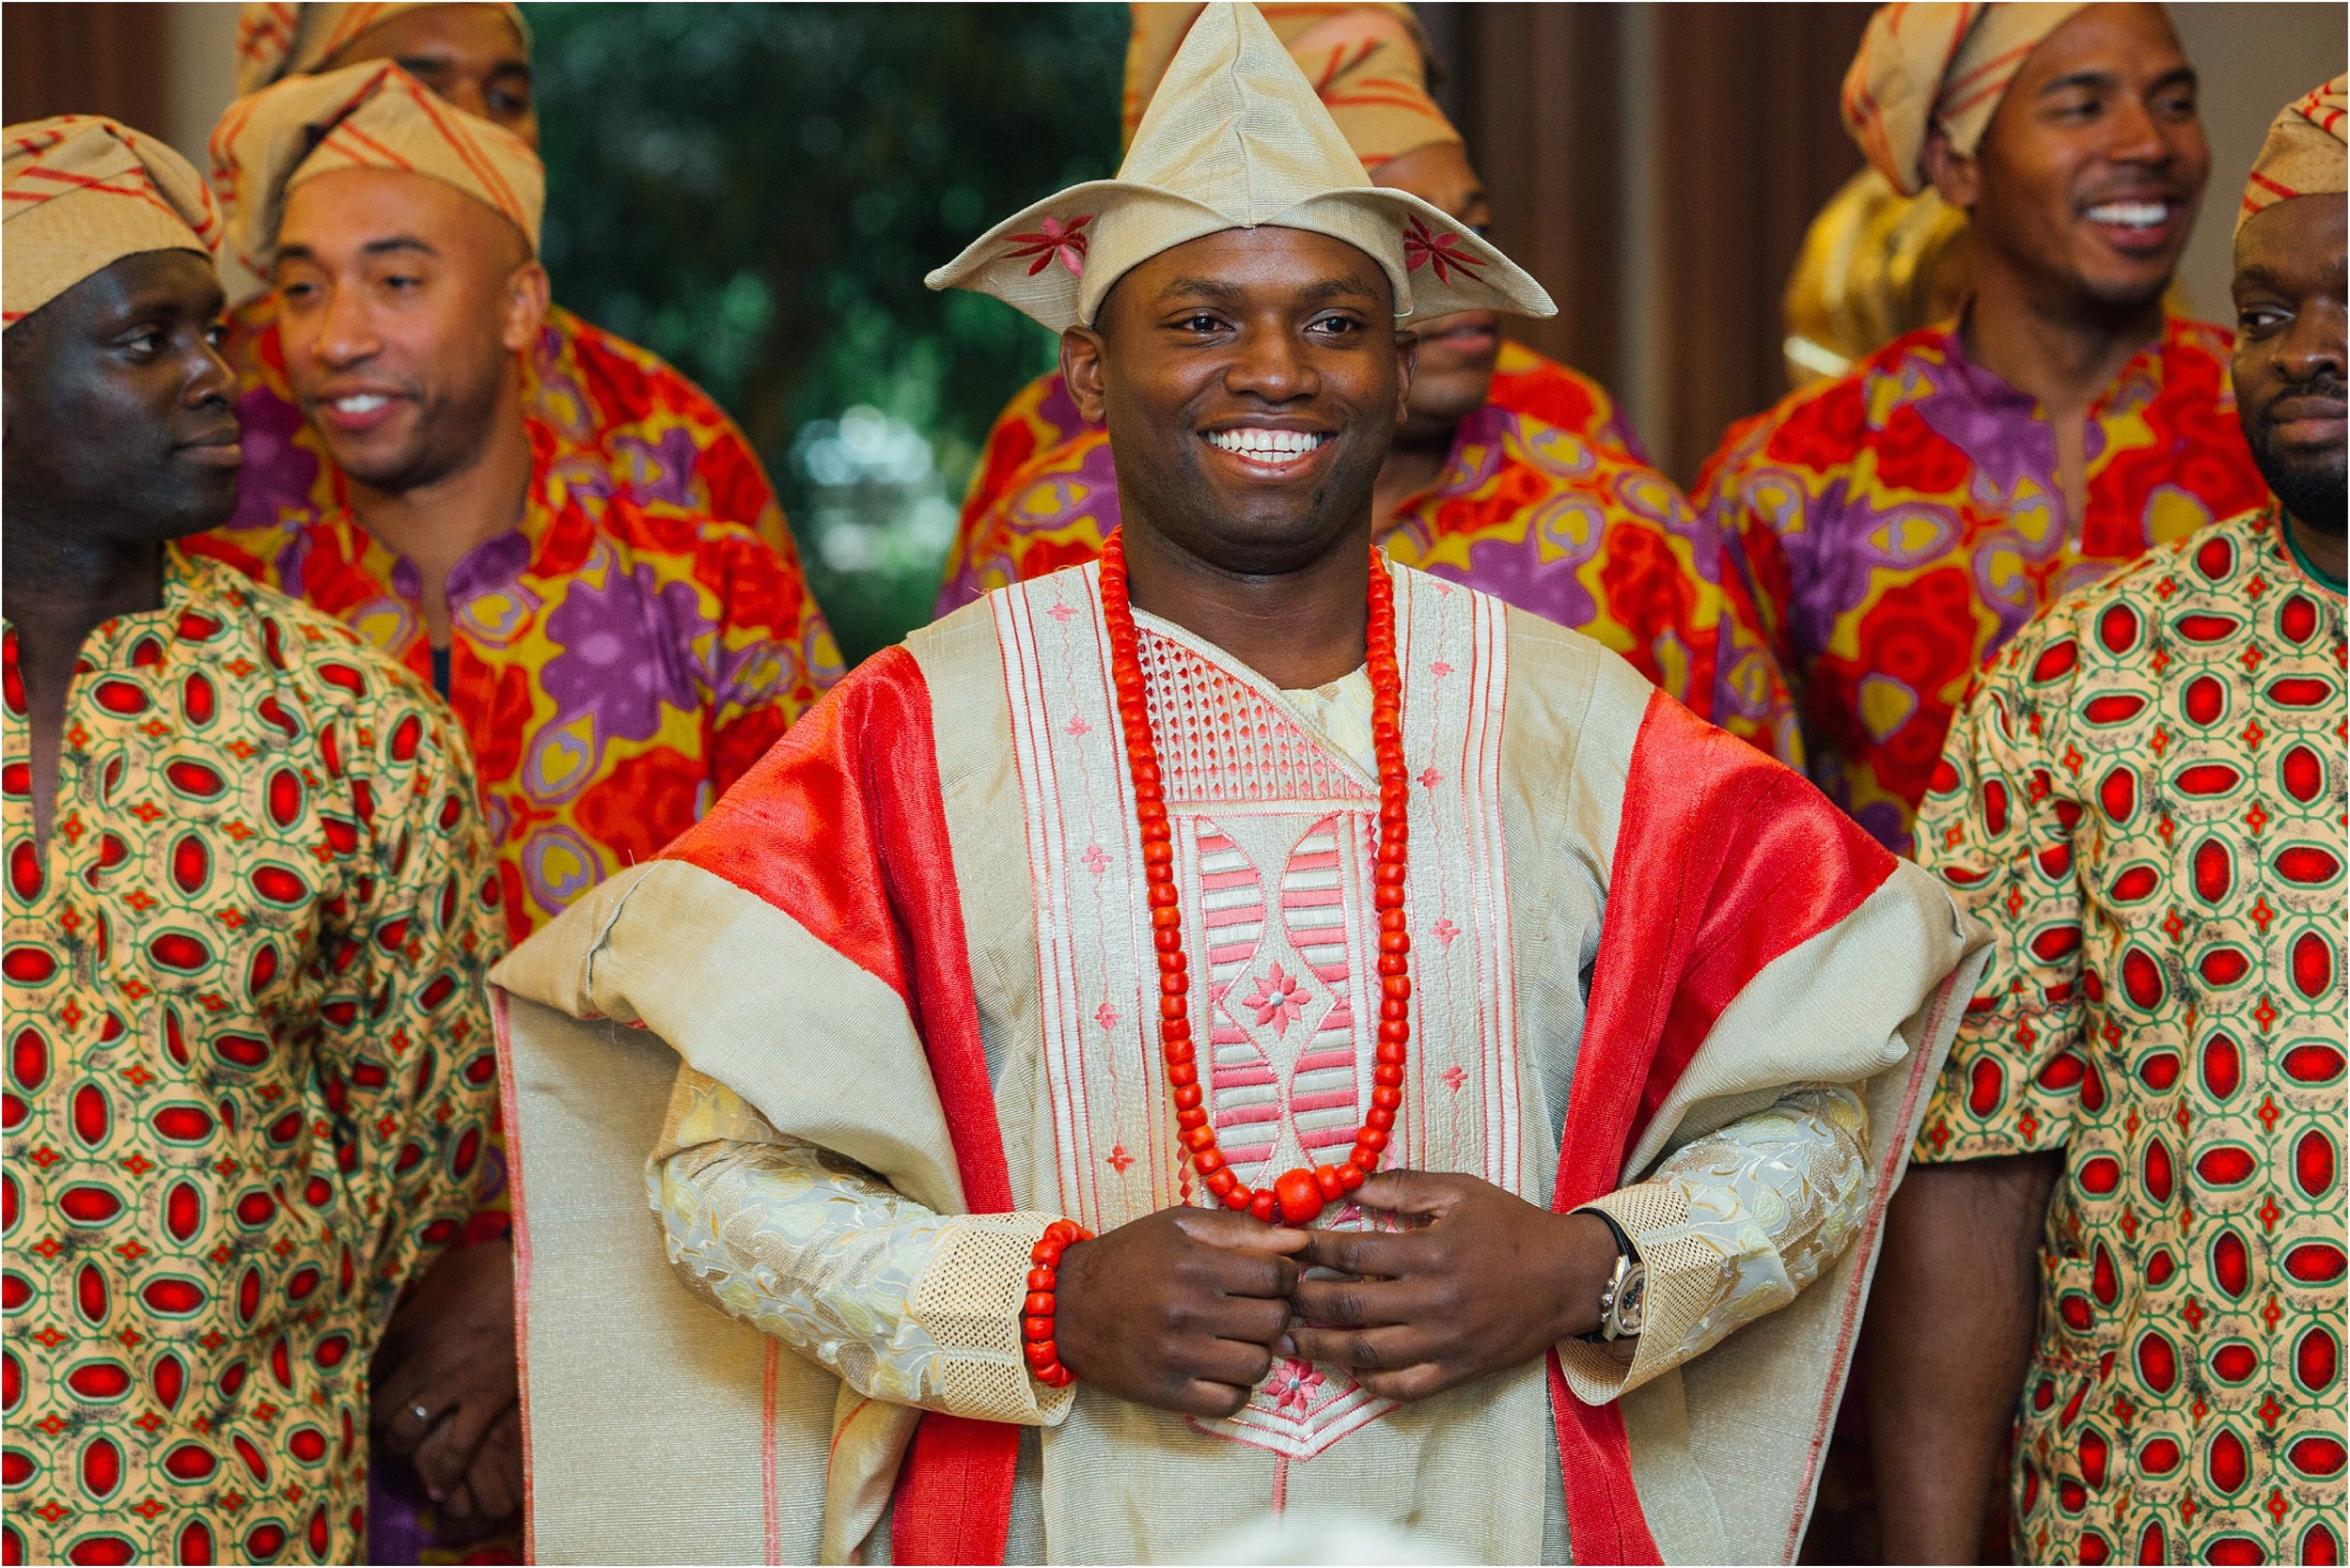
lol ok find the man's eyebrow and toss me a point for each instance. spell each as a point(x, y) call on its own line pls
point(1200, 287)
point(2089, 76)
point(1332, 287)
point(397, 243)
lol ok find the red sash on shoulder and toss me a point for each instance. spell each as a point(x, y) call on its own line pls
point(1724, 860)
point(843, 826)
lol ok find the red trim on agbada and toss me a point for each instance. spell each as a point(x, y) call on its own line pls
point(1723, 861)
point(842, 826)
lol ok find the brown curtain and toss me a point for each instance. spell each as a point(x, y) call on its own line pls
point(1749, 147)
point(1541, 112)
point(1739, 103)
point(85, 59)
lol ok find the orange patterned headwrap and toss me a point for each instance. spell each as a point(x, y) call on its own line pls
point(1368, 65)
point(2305, 153)
point(83, 193)
point(277, 39)
point(373, 116)
point(1924, 65)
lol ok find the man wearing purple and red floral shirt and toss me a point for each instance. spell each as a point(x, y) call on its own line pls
point(1903, 520)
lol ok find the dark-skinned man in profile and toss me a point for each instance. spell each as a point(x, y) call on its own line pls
point(249, 1059)
point(2139, 1130)
point(1138, 1062)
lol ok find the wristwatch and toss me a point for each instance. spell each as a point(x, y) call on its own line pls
point(1624, 1301)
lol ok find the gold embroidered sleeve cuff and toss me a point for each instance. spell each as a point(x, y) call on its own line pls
point(1731, 1226)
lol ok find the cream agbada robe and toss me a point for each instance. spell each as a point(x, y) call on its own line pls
point(904, 964)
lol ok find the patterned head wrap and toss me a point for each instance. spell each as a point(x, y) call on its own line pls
point(1368, 64)
point(2305, 153)
point(276, 38)
point(373, 116)
point(1924, 65)
point(82, 193)
point(1235, 138)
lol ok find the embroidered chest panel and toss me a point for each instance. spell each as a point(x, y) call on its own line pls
point(1275, 833)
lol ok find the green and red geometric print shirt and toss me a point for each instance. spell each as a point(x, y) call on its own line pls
point(249, 1074)
point(2144, 800)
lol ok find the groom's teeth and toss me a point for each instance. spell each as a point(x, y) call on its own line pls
point(2131, 214)
point(365, 402)
point(1263, 445)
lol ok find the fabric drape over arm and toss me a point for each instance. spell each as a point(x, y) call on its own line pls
point(903, 1303)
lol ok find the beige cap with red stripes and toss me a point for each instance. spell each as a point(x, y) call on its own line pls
point(2305, 153)
point(1927, 65)
point(373, 116)
point(83, 191)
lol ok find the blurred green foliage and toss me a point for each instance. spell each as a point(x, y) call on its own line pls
point(754, 191)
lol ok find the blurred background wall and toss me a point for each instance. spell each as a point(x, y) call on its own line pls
point(755, 191)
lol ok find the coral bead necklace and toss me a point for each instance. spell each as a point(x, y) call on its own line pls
point(1296, 1195)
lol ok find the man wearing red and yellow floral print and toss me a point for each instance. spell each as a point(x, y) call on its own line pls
point(1513, 473)
point(616, 664)
point(622, 421)
point(2143, 798)
point(248, 1057)
point(1899, 522)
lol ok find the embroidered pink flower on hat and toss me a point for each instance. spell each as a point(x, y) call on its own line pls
point(1424, 247)
point(1054, 240)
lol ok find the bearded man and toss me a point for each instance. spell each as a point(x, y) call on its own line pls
point(623, 421)
point(1452, 1041)
point(1514, 474)
point(618, 663)
point(249, 1065)
point(2140, 1127)
point(1902, 520)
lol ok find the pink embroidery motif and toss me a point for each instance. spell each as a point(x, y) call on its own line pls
point(1292, 1386)
point(1423, 245)
point(1429, 778)
point(1095, 860)
point(1105, 1015)
point(1118, 1160)
point(1077, 728)
point(1276, 997)
point(1062, 612)
point(1055, 240)
point(1440, 670)
point(1446, 930)
point(1454, 1076)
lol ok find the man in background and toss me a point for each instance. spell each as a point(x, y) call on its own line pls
point(2143, 800)
point(1900, 521)
point(616, 663)
point(1514, 473)
point(624, 422)
point(249, 1058)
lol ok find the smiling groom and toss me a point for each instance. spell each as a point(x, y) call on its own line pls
point(1240, 1026)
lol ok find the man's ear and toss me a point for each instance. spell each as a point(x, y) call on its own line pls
point(1407, 365)
point(1952, 172)
point(1081, 370)
point(524, 309)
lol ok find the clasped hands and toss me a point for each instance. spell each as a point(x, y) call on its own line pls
point(1187, 1309)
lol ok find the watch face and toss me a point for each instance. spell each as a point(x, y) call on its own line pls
point(1632, 1300)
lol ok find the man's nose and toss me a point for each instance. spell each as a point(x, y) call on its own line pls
point(2314, 349)
point(346, 328)
point(1271, 364)
point(2139, 136)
